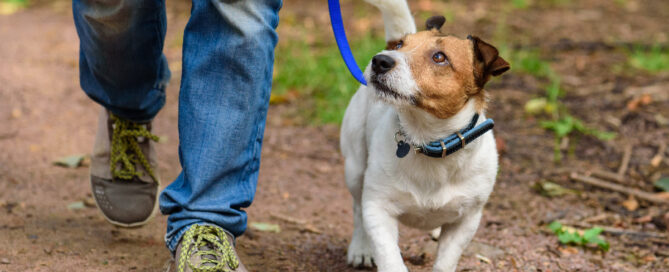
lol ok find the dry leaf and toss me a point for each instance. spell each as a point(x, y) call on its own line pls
point(631, 204)
point(566, 251)
point(638, 102)
point(267, 227)
point(72, 161)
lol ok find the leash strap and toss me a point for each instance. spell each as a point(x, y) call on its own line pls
point(342, 42)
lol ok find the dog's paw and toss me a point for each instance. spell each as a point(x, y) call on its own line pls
point(360, 254)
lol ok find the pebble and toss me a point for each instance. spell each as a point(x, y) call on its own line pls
point(5, 261)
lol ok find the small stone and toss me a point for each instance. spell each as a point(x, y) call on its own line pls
point(5, 261)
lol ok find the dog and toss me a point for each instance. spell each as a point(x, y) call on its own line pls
point(425, 86)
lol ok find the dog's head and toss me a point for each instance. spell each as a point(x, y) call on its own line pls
point(435, 72)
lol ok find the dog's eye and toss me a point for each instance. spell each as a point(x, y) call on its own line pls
point(439, 58)
point(399, 44)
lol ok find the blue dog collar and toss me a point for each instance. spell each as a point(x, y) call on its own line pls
point(449, 145)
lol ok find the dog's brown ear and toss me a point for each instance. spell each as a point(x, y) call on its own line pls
point(435, 22)
point(487, 61)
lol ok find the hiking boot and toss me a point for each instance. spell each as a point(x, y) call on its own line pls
point(123, 171)
point(206, 248)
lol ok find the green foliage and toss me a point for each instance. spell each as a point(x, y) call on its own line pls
point(567, 235)
point(561, 122)
point(662, 184)
point(17, 2)
point(568, 124)
point(519, 4)
point(565, 126)
point(317, 72)
point(655, 60)
point(527, 61)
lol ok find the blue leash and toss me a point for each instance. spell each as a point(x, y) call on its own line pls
point(342, 42)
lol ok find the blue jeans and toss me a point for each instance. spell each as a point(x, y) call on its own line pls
point(228, 53)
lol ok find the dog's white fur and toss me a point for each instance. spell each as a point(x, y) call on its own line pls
point(419, 191)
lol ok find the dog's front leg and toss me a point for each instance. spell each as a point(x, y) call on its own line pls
point(381, 227)
point(454, 239)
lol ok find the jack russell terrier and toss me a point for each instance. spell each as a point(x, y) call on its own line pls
point(416, 141)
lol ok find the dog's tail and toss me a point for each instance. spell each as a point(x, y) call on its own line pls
point(397, 18)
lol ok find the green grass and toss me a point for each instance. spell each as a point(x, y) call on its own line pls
point(520, 4)
point(526, 61)
point(654, 60)
point(317, 72)
point(17, 2)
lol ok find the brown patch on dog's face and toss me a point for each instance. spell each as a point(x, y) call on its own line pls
point(448, 70)
point(445, 81)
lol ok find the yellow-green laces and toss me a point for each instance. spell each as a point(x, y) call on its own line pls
point(125, 150)
point(211, 245)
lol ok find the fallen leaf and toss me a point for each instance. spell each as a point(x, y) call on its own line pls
point(655, 161)
point(77, 205)
point(631, 204)
point(536, 106)
point(16, 113)
point(638, 102)
point(566, 251)
point(550, 189)
point(72, 161)
point(662, 184)
point(267, 227)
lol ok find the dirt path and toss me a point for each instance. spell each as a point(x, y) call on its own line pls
point(44, 115)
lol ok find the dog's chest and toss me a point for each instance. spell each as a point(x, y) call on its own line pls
point(429, 213)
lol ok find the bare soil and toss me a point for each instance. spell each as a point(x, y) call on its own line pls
point(44, 115)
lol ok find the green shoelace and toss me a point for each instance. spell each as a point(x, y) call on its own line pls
point(125, 150)
point(211, 244)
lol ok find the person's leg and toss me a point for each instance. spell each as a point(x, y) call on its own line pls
point(227, 73)
point(121, 64)
point(122, 68)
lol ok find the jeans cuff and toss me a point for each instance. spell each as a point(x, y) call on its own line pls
point(173, 241)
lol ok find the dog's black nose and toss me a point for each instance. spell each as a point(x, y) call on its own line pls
point(382, 63)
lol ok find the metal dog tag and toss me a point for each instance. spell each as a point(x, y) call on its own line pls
point(402, 149)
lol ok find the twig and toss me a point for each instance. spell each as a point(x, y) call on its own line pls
point(608, 175)
point(9, 135)
point(621, 189)
point(627, 154)
point(288, 219)
point(302, 225)
point(619, 231)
